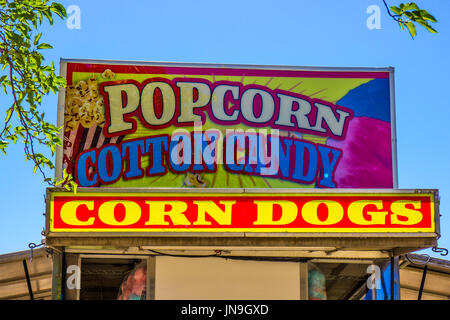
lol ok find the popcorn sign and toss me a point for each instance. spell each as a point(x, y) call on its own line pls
point(207, 126)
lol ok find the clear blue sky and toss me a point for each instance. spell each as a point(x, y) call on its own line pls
point(299, 33)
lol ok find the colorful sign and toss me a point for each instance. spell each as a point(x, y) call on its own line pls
point(181, 212)
point(205, 126)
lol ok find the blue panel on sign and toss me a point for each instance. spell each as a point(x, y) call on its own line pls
point(369, 100)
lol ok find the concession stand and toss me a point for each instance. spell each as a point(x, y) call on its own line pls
point(202, 181)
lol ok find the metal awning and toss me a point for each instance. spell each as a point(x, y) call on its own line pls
point(424, 276)
point(13, 275)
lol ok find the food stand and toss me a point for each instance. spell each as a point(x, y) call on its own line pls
point(228, 182)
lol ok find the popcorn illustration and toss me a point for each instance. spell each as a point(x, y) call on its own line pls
point(84, 117)
point(195, 180)
point(108, 74)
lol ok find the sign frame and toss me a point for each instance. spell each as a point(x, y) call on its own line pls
point(390, 70)
point(244, 192)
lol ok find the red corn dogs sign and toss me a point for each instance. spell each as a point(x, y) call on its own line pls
point(241, 212)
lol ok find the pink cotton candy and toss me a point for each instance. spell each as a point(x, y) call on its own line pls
point(366, 160)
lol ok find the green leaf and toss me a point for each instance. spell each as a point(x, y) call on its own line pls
point(44, 46)
point(427, 16)
point(3, 146)
point(411, 28)
point(59, 9)
point(37, 37)
point(34, 21)
point(396, 10)
point(8, 114)
point(410, 15)
point(410, 6)
point(429, 28)
point(47, 13)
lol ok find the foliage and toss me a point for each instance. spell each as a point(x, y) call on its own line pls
point(26, 78)
point(409, 14)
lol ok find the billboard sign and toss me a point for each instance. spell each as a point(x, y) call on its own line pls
point(129, 124)
point(178, 212)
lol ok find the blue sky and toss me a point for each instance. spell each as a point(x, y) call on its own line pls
point(298, 33)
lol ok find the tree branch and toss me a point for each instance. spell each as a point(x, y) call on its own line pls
point(394, 16)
